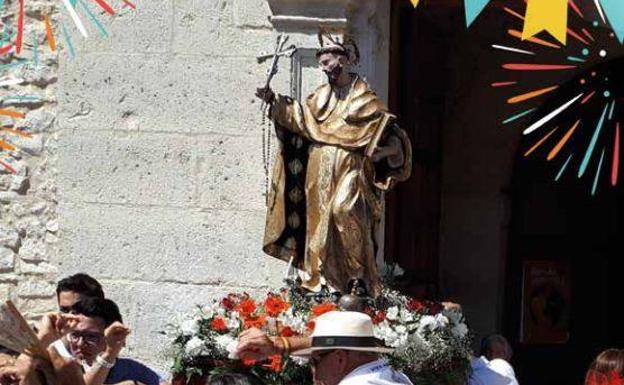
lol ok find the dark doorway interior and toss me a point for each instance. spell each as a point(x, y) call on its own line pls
point(562, 222)
point(418, 85)
point(551, 222)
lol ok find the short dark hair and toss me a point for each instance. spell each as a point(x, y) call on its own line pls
point(102, 308)
point(82, 284)
point(233, 378)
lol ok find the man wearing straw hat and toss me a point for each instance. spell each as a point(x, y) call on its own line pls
point(342, 350)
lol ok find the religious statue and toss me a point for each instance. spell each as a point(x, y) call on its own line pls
point(341, 149)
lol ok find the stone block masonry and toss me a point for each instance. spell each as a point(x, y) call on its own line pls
point(28, 190)
point(160, 155)
point(145, 168)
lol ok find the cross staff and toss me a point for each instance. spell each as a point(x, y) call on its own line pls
point(279, 52)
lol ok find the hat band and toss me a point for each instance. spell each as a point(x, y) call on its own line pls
point(331, 341)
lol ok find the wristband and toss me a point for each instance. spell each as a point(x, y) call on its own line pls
point(286, 345)
point(101, 362)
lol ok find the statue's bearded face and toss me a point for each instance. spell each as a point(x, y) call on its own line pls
point(332, 65)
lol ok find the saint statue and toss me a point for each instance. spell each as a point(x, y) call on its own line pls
point(340, 150)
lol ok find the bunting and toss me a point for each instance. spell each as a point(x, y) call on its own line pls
point(551, 16)
point(546, 15)
point(614, 10)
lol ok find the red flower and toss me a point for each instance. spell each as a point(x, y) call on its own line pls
point(248, 361)
point(275, 363)
point(218, 324)
point(227, 303)
point(255, 322)
point(274, 305)
point(310, 326)
point(415, 305)
point(246, 307)
point(287, 332)
point(379, 317)
point(434, 308)
point(323, 308)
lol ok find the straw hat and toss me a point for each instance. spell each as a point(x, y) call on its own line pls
point(344, 330)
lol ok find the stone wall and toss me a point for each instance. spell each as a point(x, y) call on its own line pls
point(161, 179)
point(160, 147)
point(28, 191)
point(154, 139)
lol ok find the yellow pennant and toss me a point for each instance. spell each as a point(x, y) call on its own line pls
point(546, 15)
point(415, 3)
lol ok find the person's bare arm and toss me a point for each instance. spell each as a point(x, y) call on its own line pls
point(115, 336)
point(254, 344)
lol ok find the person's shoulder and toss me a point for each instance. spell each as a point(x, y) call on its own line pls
point(132, 364)
point(503, 367)
point(129, 369)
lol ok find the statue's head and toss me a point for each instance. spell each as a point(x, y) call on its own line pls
point(334, 56)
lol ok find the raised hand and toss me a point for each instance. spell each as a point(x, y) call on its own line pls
point(55, 325)
point(266, 94)
point(115, 336)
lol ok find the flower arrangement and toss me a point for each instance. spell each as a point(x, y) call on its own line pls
point(432, 345)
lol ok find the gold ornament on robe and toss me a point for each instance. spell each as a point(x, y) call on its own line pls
point(325, 199)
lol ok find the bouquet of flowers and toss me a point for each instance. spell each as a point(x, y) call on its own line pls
point(432, 345)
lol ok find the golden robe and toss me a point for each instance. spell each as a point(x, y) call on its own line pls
point(326, 194)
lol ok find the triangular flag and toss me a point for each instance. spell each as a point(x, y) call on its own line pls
point(615, 13)
point(415, 3)
point(474, 9)
point(546, 15)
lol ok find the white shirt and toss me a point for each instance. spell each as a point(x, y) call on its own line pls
point(375, 373)
point(503, 367)
point(493, 372)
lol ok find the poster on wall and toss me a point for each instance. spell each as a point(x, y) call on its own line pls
point(545, 303)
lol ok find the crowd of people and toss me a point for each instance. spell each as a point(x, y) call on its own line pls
point(85, 337)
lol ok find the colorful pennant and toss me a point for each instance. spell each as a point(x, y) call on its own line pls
point(474, 9)
point(546, 15)
point(614, 10)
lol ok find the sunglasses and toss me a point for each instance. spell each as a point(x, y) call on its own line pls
point(88, 338)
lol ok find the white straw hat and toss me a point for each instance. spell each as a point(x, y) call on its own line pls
point(344, 330)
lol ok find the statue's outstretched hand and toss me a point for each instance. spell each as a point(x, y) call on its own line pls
point(266, 94)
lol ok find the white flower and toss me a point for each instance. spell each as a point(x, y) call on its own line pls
point(406, 316)
point(454, 316)
point(229, 344)
point(441, 321)
point(432, 323)
point(460, 330)
point(189, 327)
point(393, 313)
point(211, 310)
point(194, 346)
point(232, 322)
point(296, 323)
